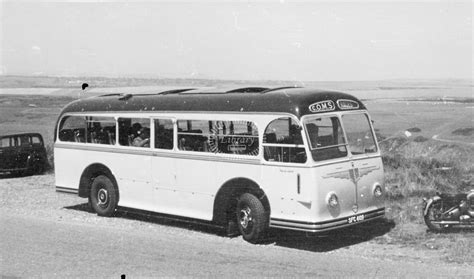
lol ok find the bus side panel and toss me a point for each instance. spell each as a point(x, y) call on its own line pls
point(133, 174)
point(228, 171)
point(194, 188)
point(131, 171)
point(290, 192)
point(68, 167)
point(195, 183)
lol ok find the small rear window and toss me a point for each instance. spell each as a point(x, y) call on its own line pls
point(36, 140)
point(5, 142)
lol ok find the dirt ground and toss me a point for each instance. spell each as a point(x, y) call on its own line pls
point(49, 234)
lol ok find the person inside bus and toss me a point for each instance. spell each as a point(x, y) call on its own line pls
point(133, 132)
point(142, 139)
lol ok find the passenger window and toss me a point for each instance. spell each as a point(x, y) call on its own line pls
point(234, 137)
point(100, 130)
point(326, 138)
point(73, 129)
point(228, 137)
point(163, 133)
point(282, 142)
point(134, 132)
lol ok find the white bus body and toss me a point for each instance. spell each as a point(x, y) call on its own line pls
point(327, 187)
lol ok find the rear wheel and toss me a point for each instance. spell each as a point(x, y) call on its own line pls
point(103, 196)
point(252, 218)
point(434, 214)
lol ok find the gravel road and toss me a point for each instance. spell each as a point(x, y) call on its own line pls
point(47, 234)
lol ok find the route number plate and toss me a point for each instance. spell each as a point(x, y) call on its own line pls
point(355, 219)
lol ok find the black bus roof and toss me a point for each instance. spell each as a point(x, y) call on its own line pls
point(294, 100)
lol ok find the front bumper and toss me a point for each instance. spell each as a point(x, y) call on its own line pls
point(326, 225)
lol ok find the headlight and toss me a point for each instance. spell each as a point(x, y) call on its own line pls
point(378, 191)
point(332, 200)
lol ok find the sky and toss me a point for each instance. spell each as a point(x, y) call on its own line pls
point(250, 40)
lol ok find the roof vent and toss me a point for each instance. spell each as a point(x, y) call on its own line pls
point(280, 88)
point(248, 90)
point(175, 91)
point(125, 97)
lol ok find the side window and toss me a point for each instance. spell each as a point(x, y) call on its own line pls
point(134, 132)
point(100, 130)
point(193, 135)
point(282, 142)
point(234, 137)
point(25, 140)
point(218, 136)
point(326, 138)
point(163, 133)
point(73, 129)
point(36, 140)
point(359, 134)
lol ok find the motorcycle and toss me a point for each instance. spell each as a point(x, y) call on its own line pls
point(444, 211)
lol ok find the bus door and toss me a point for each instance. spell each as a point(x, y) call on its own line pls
point(284, 156)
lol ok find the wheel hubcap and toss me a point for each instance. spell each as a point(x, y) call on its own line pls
point(102, 197)
point(245, 217)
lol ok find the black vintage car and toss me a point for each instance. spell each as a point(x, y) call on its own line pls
point(22, 154)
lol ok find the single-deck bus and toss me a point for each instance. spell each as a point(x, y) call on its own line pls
point(290, 158)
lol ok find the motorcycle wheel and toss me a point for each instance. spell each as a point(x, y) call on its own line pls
point(434, 214)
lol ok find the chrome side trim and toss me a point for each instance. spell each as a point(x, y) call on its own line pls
point(156, 153)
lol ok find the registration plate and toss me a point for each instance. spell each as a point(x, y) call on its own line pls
point(355, 219)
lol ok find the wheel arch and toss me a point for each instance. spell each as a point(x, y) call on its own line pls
point(226, 198)
point(91, 172)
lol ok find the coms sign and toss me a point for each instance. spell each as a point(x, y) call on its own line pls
point(329, 105)
point(322, 106)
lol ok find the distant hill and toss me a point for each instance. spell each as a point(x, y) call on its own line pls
point(104, 82)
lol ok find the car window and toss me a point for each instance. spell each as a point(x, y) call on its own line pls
point(36, 140)
point(5, 142)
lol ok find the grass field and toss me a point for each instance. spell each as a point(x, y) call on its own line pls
point(426, 137)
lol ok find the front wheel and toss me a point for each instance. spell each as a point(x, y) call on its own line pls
point(252, 218)
point(434, 214)
point(103, 196)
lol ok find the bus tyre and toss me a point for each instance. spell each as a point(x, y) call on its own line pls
point(103, 196)
point(252, 219)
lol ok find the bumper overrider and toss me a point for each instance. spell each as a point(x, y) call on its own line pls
point(330, 224)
